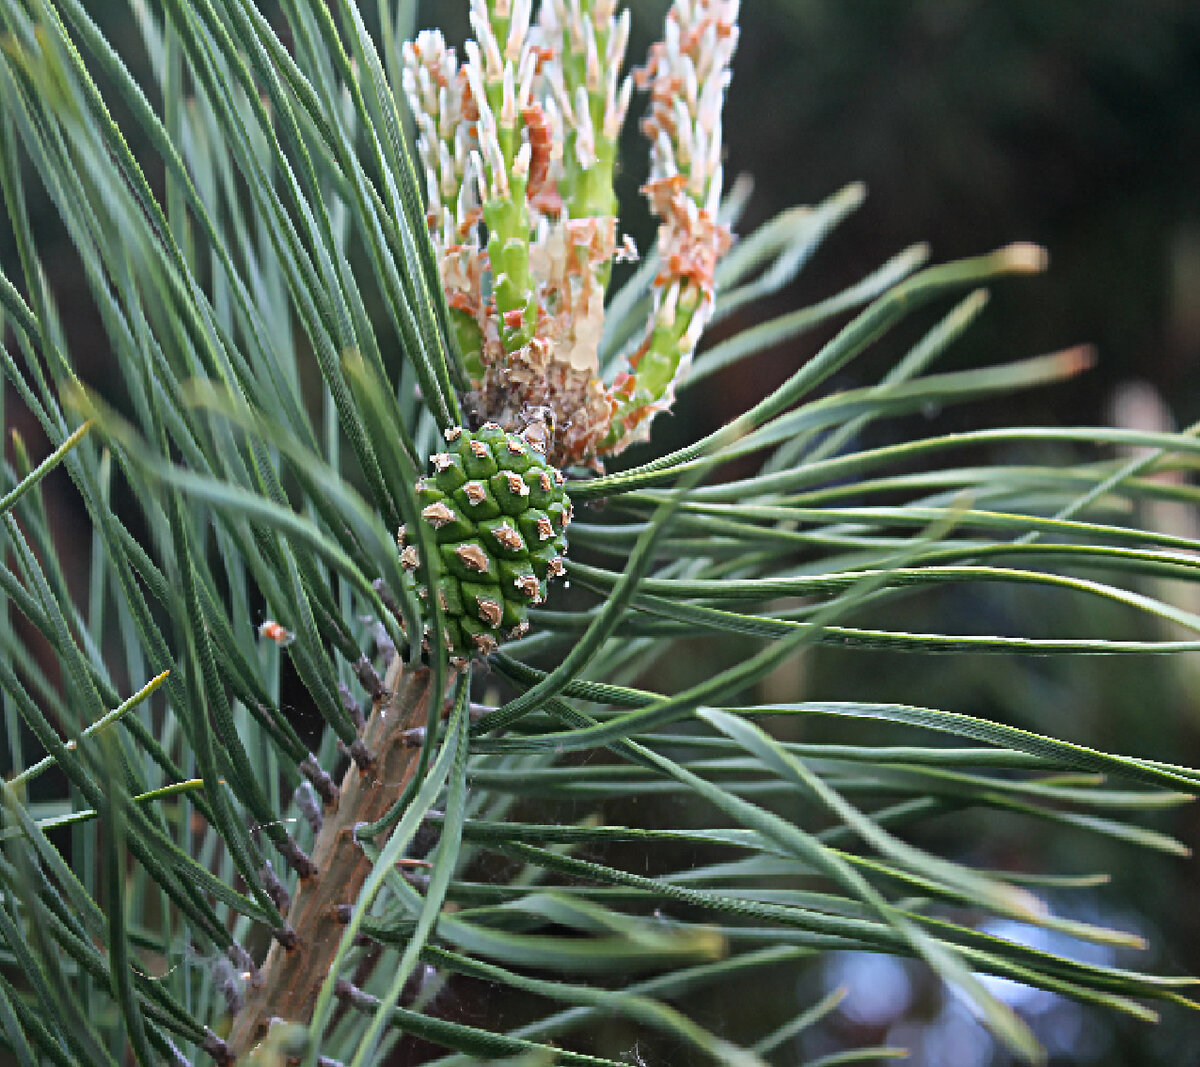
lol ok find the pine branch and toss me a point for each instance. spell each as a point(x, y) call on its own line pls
point(287, 985)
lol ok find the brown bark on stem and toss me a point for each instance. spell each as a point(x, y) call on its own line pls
point(288, 982)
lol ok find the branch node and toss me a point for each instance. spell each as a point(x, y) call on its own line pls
point(369, 678)
point(352, 706)
point(243, 961)
point(360, 755)
point(428, 834)
point(229, 984)
point(275, 889)
point(326, 789)
point(305, 798)
point(216, 1048)
point(387, 599)
point(354, 996)
point(297, 858)
point(385, 647)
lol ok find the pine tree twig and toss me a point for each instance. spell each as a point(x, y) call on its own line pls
point(320, 779)
point(289, 980)
point(217, 1049)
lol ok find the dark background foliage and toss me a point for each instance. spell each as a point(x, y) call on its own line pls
point(1075, 124)
point(973, 123)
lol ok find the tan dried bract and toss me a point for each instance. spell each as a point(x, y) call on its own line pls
point(473, 558)
point(490, 611)
point(438, 515)
point(508, 537)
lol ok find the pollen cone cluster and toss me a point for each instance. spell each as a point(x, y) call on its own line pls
point(499, 515)
point(519, 140)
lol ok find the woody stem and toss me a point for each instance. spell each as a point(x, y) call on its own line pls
point(287, 985)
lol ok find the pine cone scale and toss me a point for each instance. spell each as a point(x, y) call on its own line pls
point(499, 515)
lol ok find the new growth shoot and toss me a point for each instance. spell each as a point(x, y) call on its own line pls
point(519, 141)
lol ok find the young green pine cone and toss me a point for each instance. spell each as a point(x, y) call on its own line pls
point(499, 514)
